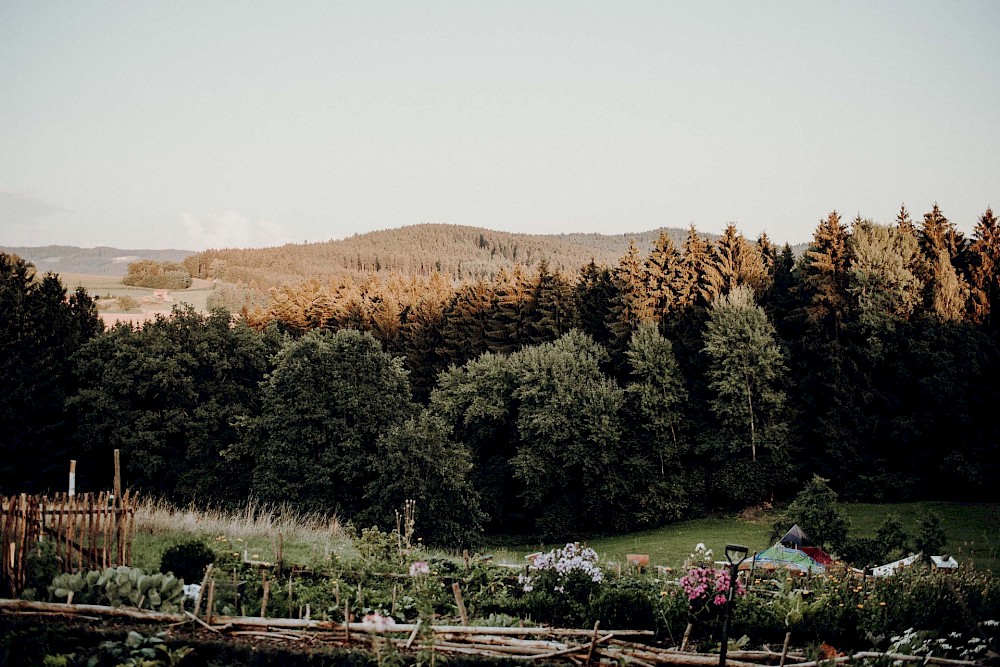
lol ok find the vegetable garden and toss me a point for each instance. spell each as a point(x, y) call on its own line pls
point(401, 604)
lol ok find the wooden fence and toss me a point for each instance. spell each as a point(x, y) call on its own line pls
point(89, 531)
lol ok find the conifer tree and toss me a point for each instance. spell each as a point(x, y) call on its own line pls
point(737, 262)
point(593, 296)
point(632, 303)
point(984, 271)
point(555, 308)
point(823, 281)
point(662, 271)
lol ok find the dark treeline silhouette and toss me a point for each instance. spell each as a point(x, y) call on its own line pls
point(700, 374)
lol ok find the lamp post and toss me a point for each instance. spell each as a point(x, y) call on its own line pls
point(733, 552)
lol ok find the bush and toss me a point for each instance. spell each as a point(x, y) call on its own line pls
point(187, 560)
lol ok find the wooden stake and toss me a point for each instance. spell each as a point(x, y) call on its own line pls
point(211, 602)
point(465, 555)
point(687, 635)
point(290, 613)
point(460, 603)
point(593, 642)
point(347, 622)
point(201, 589)
point(784, 649)
point(267, 594)
point(118, 478)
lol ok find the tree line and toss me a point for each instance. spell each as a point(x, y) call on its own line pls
point(711, 375)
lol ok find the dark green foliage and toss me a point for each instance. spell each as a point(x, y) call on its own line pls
point(816, 512)
point(44, 564)
point(187, 560)
point(169, 396)
point(40, 330)
point(930, 537)
point(419, 461)
point(324, 407)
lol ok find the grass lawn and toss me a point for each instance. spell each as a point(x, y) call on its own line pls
point(973, 532)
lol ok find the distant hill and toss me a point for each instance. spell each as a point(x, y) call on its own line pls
point(101, 261)
point(459, 252)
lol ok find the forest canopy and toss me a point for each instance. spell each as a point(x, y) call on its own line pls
point(686, 377)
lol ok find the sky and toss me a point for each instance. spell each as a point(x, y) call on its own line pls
point(245, 124)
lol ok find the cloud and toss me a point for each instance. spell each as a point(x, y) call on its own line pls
point(231, 230)
point(19, 209)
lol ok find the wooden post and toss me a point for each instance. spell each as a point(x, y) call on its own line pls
point(347, 622)
point(784, 649)
point(395, 592)
point(72, 477)
point(281, 546)
point(267, 594)
point(290, 611)
point(687, 635)
point(465, 555)
point(456, 589)
point(593, 642)
point(118, 478)
point(210, 609)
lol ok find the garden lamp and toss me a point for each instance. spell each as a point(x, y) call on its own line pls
point(735, 554)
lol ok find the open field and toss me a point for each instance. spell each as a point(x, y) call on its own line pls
point(973, 532)
point(109, 287)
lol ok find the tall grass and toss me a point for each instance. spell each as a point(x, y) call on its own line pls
point(253, 530)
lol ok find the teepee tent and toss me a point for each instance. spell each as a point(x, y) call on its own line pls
point(796, 537)
point(781, 557)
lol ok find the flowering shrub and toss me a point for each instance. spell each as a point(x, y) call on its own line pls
point(705, 585)
point(561, 568)
point(955, 645)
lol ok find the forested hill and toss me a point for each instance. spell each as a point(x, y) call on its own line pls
point(460, 252)
point(102, 261)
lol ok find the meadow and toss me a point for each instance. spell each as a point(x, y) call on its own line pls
point(973, 532)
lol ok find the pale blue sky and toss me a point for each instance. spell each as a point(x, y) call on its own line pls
point(203, 124)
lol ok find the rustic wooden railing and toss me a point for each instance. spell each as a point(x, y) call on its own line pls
point(89, 531)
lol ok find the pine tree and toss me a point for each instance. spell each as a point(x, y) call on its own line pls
point(737, 262)
point(823, 281)
point(984, 271)
point(593, 296)
point(632, 303)
point(662, 271)
point(555, 308)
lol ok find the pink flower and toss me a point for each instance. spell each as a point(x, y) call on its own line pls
point(419, 567)
point(719, 600)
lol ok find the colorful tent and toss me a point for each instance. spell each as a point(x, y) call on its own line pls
point(795, 537)
point(818, 555)
point(781, 557)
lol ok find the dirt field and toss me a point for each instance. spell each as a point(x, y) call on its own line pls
point(108, 288)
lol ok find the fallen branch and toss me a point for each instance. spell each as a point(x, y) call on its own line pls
point(21, 606)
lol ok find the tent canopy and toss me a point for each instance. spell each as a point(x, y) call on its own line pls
point(782, 557)
point(796, 537)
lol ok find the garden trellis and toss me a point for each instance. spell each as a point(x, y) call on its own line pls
point(88, 531)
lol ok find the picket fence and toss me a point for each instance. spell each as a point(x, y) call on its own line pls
point(89, 531)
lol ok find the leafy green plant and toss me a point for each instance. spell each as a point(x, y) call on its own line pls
point(43, 564)
point(121, 586)
point(187, 560)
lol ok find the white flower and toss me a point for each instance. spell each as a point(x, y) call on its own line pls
point(378, 622)
point(419, 567)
